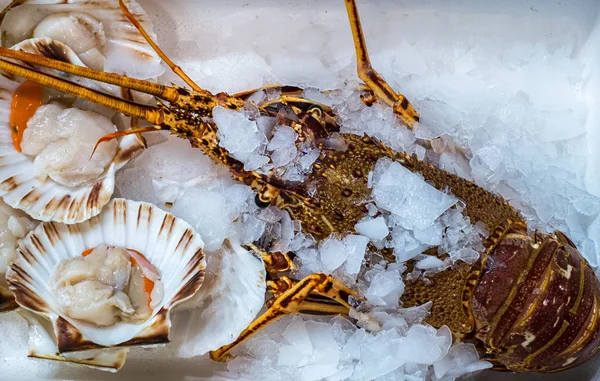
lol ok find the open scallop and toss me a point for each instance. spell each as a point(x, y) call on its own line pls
point(98, 32)
point(170, 246)
point(85, 33)
point(44, 198)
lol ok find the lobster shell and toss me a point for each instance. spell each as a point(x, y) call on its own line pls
point(536, 304)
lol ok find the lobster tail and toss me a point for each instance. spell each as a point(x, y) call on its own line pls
point(536, 304)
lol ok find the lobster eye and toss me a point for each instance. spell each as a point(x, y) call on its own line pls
point(260, 203)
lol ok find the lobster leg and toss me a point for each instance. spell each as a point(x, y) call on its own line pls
point(274, 262)
point(381, 89)
point(293, 301)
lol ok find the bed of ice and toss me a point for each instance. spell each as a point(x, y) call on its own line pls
point(512, 89)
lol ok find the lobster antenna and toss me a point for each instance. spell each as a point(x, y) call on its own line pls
point(176, 69)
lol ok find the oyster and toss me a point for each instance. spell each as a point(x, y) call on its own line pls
point(87, 301)
point(53, 178)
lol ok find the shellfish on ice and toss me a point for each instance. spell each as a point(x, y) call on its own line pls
point(91, 290)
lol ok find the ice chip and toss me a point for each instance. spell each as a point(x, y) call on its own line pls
point(421, 345)
point(405, 245)
point(332, 253)
point(465, 254)
point(355, 246)
point(374, 228)
point(283, 146)
point(386, 288)
point(208, 212)
point(299, 344)
point(461, 359)
point(415, 203)
point(430, 262)
point(238, 134)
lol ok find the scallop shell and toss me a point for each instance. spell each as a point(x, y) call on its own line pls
point(231, 297)
point(125, 46)
point(42, 345)
point(169, 243)
point(7, 301)
point(47, 47)
point(48, 200)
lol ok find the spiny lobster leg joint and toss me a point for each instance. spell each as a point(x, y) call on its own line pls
point(294, 301)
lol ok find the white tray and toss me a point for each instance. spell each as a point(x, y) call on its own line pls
point(201, 29)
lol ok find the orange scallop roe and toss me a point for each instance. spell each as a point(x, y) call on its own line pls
point(27, 98)
point(148, 284)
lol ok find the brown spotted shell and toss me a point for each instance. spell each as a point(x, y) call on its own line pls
point(537, 303)
point(169, 243)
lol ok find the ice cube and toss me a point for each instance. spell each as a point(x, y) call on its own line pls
point(230, 72)
point(332, 253)
point(136, 184)
point(379, 355)
point(209, 212)
point(238, 134)
point(386, 288)
point(461, 359)
point(307, 160)
point(422, 345)
point(429, 262)
point(415, 203)
point(300, 346)
point(431, 235)
point(465, 254)
point(355, 246)
point(405, 245)
point(374, 228)
point(177, 161)
point(283, 146)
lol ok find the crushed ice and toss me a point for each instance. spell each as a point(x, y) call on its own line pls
point(497, 106)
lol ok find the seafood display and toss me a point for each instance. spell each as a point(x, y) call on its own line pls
point(100, 276)
point(47, 170)
point(108, 283)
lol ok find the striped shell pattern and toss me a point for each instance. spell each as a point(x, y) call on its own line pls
point(168, 242)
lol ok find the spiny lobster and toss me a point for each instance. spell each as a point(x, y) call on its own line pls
point(530, 303)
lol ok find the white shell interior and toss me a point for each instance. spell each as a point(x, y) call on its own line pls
point(126, 53)
point(230, 298)
point(167, 242)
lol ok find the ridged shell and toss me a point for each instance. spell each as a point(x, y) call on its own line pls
point(232, 295)
point(47, 47)
point(136, 57)
point(50, 201)
point(7, 301)
point(169, 243)
point(42, 345)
